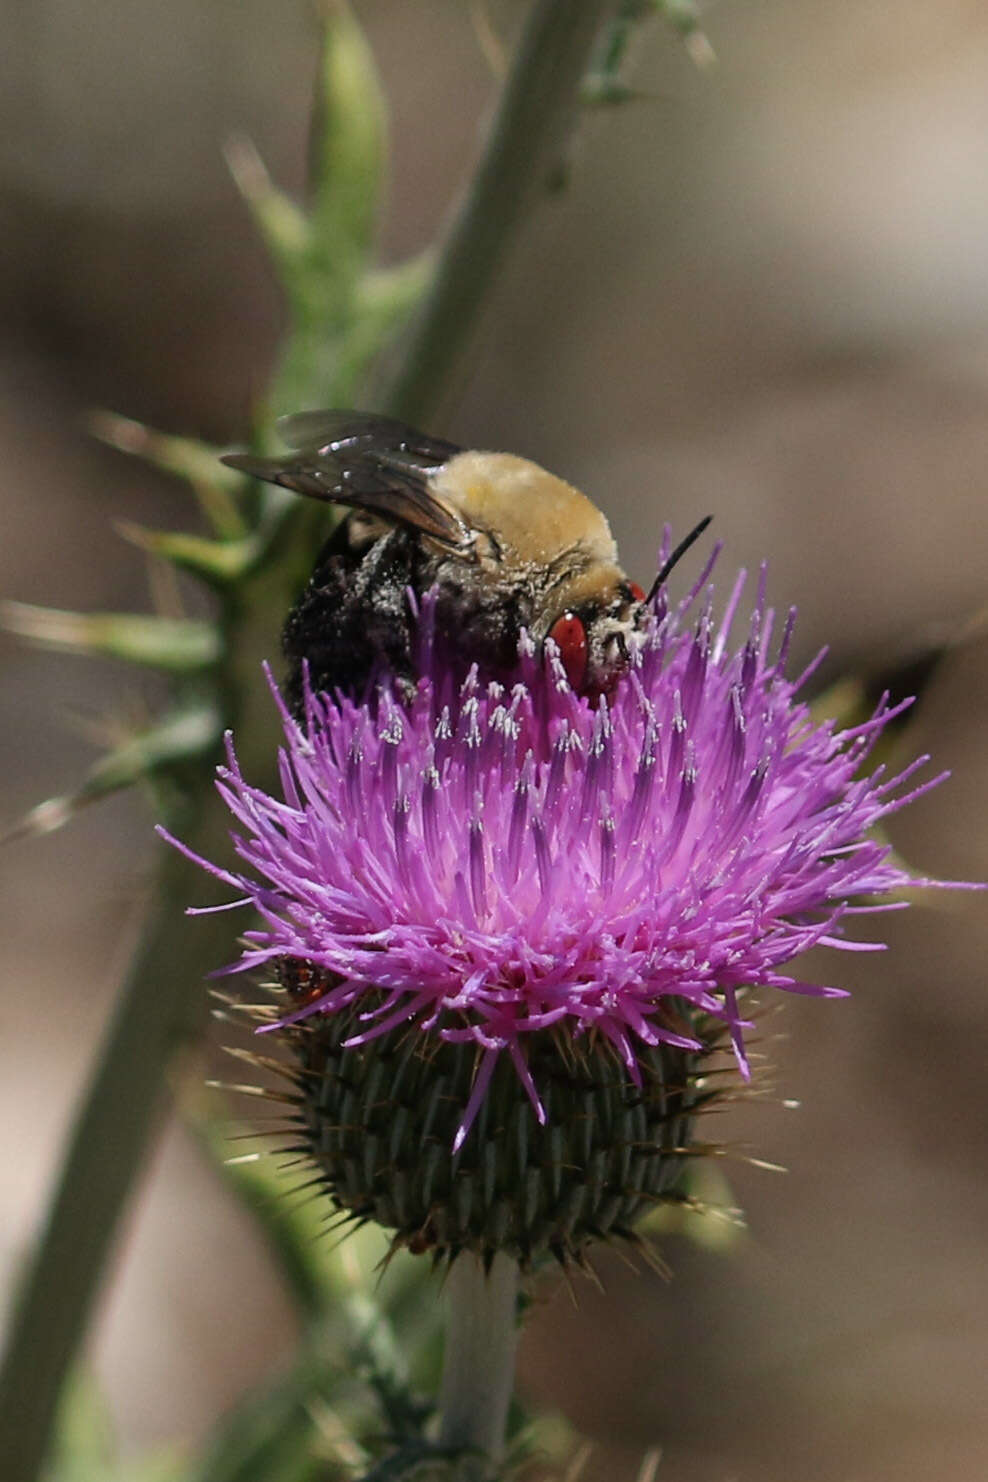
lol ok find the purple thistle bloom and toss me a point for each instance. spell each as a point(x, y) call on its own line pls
point(484, 861)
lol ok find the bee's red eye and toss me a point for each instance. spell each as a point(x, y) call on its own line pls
point(570, 637)
point(636, 591)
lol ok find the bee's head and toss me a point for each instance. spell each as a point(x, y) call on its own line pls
point(595, 637)
point(603, 618)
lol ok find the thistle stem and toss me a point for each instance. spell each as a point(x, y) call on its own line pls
point(527, 137)
point(161, 1009)
point(479, 1362)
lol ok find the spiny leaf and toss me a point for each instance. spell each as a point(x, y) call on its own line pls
point(280, 221)
point(336, 1284)
point(599, 91)
point(491, 45)
point(176, 645)
point(218, 563)
point(349, 137)
point(382, 303)
point(386, 296)
point(274, 1435)
point(86, 1444)
point(318, 253)
point(321, 1280)
point(350, 1351)
point(650, 1465)
point(179, 737)
point(424, 1463)
point(684, 17)
point(195, 462)
point(603, 83)
point(321, 261)
point(705, 1213)
point(85, 1447)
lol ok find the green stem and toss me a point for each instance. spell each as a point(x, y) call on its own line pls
point(527, 135)
point(161, 1009)
point(479, 1361)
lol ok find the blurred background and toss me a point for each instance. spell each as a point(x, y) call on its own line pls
point(764, 294)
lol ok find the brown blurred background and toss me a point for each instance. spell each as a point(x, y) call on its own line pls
point(765, 295)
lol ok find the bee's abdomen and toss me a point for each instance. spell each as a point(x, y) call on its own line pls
point(351, 622)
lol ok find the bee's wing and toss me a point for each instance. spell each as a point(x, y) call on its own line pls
point(334, 431)
point(392, 485)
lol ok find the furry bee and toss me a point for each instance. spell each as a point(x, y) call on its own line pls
point(506, 544)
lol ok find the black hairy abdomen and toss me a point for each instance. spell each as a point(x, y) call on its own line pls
point(352, 624)
point(352, 620)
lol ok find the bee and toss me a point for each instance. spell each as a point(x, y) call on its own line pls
point(505, 544)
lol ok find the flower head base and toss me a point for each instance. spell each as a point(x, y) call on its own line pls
point(499, 870)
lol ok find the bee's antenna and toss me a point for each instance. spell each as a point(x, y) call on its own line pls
point(677, 556)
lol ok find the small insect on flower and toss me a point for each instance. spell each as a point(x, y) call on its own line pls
point(516, 920)
point(507, 546)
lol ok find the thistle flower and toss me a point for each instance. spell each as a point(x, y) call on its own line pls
point(513, 926)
